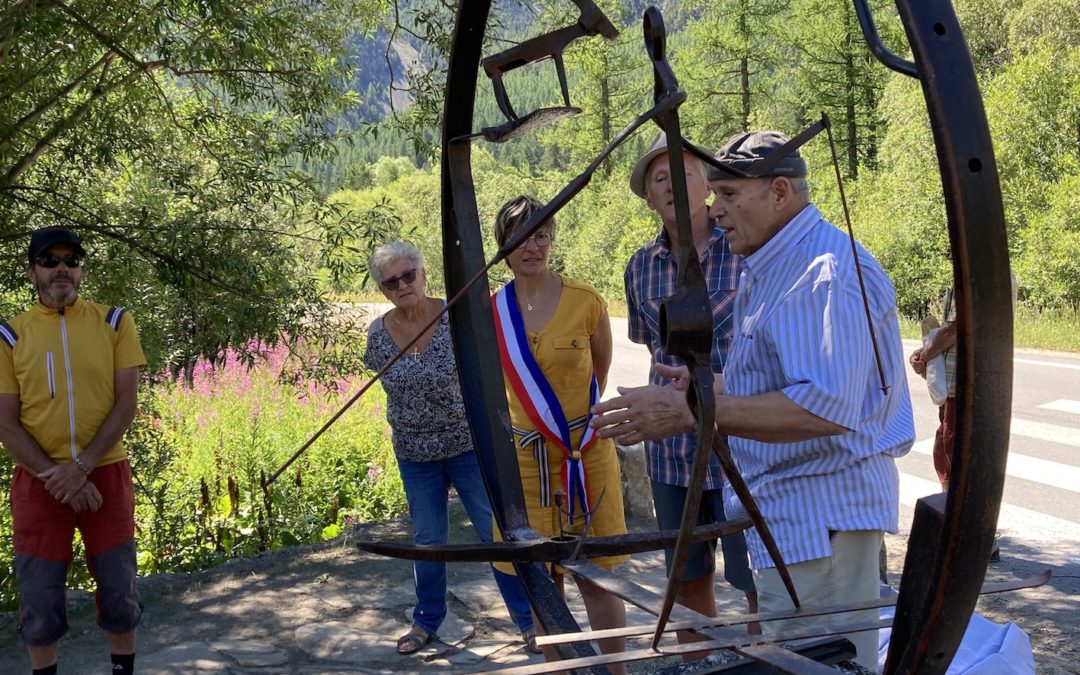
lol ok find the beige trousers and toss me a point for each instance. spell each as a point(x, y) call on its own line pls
point(850, 574)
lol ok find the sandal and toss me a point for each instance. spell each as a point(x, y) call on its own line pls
point(529, 636)
point(414, 640)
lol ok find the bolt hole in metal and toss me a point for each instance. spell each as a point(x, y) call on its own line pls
point(975, 165)
point(939, 29)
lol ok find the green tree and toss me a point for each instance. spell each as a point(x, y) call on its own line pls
point(729, 65)
point(837, 74)
point(162, 132)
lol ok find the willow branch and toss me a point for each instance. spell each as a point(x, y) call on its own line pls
point(112, 231)
point(61, 126)
point(12, 26)
point(50, 103)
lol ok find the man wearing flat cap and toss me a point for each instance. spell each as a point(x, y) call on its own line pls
point(69, 374)
point(810, 427)
point(651, 276)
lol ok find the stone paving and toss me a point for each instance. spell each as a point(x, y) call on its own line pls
point(364, 638)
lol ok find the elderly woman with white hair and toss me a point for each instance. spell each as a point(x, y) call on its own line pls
point(431, 436)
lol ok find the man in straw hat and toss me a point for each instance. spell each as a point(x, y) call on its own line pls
point(651, 276)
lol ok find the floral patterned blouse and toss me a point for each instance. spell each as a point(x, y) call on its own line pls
point(423, 395)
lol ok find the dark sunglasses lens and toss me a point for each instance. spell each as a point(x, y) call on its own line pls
point(393, 283)
point(52, 261)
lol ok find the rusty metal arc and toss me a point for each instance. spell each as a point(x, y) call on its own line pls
point(951, 537)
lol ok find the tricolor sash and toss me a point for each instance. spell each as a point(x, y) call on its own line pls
point(541, 404)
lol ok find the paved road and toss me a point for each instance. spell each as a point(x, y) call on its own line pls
point(1040, 501)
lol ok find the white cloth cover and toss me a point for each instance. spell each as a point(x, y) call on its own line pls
point(987, 648)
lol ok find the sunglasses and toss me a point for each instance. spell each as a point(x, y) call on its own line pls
point(406, 277)
point(70, 261)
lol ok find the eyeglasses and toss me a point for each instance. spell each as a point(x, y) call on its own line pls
point(406, 277)
point(70, 261)
point(541, 239)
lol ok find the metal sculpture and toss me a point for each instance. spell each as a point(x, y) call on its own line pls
point(951, 536)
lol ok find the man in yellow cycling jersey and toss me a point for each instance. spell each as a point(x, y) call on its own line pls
point(69, 374)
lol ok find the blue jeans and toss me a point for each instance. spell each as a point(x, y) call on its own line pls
point(427, 486)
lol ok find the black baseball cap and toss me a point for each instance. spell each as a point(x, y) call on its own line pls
point(42, 239)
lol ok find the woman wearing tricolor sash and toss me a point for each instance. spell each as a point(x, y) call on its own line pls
point(555, 345)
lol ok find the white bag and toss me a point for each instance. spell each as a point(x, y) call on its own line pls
point(935, 372)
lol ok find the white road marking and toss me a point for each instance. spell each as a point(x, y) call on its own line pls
point(1041, 431)
point(1063, 405)
point(1022, 523)
point(1049, 364)
point(1025, 467)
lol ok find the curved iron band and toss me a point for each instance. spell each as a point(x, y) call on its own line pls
point(952, 536)
point(473, 328)
point(552, 550)
point(877, 47)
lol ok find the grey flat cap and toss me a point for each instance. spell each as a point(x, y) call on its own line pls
point(745, 150)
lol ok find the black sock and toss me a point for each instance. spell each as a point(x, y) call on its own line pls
point(123, 664)
point(47, 670)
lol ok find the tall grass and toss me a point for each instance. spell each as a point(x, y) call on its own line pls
point(1051, 329)
point(1057, 330)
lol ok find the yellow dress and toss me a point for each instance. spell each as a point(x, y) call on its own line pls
point(562, 350)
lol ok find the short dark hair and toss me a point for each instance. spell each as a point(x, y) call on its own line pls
point(515, 213)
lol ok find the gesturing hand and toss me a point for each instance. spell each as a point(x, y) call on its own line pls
point(643, 414)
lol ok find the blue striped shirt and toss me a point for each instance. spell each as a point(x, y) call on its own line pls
point(651, 276)
point(801, 330)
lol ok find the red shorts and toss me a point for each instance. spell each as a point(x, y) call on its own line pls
point(44, 532)
point(944, 440)
point(45, 528)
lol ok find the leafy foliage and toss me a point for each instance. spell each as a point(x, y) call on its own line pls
point(232, 165)
point(162, 131)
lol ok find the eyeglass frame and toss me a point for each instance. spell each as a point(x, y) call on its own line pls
point(397, 281)
point(550, 240)
point(51, 261)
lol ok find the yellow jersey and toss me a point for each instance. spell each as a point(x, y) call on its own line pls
point(62, 365)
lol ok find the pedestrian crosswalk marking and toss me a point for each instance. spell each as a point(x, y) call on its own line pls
point(1063, 405)
point(1025, 467)
point(1051, 364)
point(1024, 524)
point(1041, 431)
